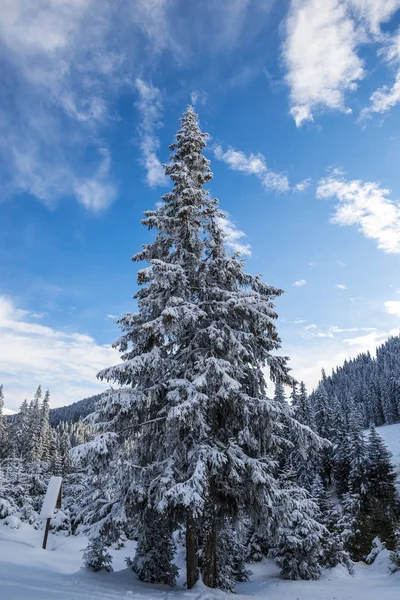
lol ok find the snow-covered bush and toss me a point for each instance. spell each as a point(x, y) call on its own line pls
point(96, 556)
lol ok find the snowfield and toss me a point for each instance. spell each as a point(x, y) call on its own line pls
point(29, 573)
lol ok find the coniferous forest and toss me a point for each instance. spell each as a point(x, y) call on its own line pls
point(187, 450)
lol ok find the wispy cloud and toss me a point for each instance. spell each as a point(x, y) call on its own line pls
point(253, 164)
point(393, 307)
point(365, 205)
point(65, 362)
point(233, 237)
point(387, 96)
point(341, 286)
point(96, 193)
point(150, 108)
point(299, 283)
point(198, 97)
point(63, 71)
point(340, 263)
point(302, 185)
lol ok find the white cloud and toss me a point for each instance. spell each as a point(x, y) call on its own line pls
point(253, 164)
point(312, 326)
point(341, 286)
point(299, 283)
point(369, 341)
point(365, 205)
point(297, 321)
point(340, 263)
point(113, 317)
point(336, 329)
point(150, 108)
point(233, 237)
point(321, 54)
point(198, 97)
point(393, 307)
point(356, 298)
point(64, 362)
point(320, 57)
point(302, 185)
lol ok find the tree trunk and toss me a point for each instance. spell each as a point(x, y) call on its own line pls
point(192, 569)
point(209, 562)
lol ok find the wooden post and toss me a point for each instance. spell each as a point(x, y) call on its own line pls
point(46, 533)
point(59, 498)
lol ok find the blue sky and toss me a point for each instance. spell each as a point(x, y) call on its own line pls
point(301, 101)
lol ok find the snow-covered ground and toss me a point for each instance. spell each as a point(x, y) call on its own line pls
point(29, 573)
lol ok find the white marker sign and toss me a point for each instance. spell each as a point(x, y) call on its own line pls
point(52, 500)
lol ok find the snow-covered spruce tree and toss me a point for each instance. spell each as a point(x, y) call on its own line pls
point(299, 545)
point(332, 546)
point(153, 561)
point(305, 461)
point(46, 437)
point(324, 425)
point(194, 407)
point(35, 427)
point(395, 555)
point(96, 556)
point(4, 438)
point(380, 497)
point(231, 555)
point(356, 520)
point(21, 431)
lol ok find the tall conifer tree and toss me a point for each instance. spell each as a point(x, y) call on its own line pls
point(193, 409)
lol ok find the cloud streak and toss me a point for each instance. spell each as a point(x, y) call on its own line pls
point(253, 164)
point(149, 106)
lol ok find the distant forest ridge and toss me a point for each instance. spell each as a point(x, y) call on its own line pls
point(369, 383)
